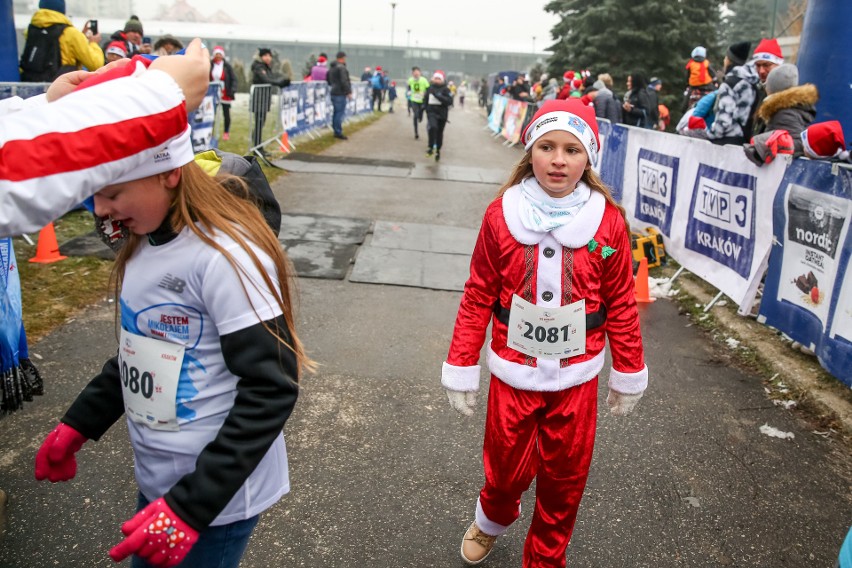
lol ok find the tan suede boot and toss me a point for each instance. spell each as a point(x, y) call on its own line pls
point(476, 545)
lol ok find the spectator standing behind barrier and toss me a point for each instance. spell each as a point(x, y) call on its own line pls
point(605, 104)
point(131, 36)
point(76, 49)
point(520, 89)
point(637, 102)
point(553, 238)
point(341, 92)
point(221, 70)
point(417, 85)
point(262, 74)
point(735, 98)
point(766, 57)
point(654, 86)
point(438, 100)
point(699, 77)
point(787, 106)
point(367, 74)
point(319, 72)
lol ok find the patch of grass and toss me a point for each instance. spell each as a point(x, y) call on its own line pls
point(53, 293)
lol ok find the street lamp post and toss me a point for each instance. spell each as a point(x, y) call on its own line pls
point(408, 39)
point(339, 25)
point(393, 16)
point(533, 50)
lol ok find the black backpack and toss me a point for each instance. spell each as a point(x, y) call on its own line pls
point(41, 60)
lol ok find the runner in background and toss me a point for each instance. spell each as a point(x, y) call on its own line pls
point(417, 85)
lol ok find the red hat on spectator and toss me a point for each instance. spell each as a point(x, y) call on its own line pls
point(116, 48)
point(219, 50)
point(378, 67)
point(768, 50)
point(567, 76)
point(321, 59)
point(823, 140)
point(569, 115)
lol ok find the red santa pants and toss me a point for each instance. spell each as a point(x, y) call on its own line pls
point(548, 436)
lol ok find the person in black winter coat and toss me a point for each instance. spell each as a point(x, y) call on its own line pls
point(637, 103)
point(262, 74)
point(438, 99)
point(787, 106)
point(341, 90)
point(605, 104)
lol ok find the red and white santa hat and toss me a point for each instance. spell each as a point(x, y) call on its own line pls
point(321, 59)
point(378, 67)
point(768, 50)
point(567, 76)
point(220, 50)
point(438, 74)
point(116, 48)
point(824, 140)
point(173, 154)
point(569, 115)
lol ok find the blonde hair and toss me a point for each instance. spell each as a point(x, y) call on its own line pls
point(524, 169)
point(606, 78)
point(207, 205)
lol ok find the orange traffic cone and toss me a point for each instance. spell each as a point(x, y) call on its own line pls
point(285, 142)
point(642, 293)
point(47, 249)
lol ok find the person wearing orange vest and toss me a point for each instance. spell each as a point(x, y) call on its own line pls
point(699, 77)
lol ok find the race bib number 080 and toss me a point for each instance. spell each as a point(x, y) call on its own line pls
point(150, 372)
point(547, 333)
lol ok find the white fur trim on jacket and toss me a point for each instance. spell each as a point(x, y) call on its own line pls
point(547, 376)
point(574, 234)
point(629, 383)
point(464, 379)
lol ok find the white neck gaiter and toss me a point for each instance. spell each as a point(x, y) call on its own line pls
point(542, 213)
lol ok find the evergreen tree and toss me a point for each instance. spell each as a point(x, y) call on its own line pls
point(750, 21)
point(619, 37)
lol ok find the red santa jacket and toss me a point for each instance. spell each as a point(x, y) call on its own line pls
point(574, 262)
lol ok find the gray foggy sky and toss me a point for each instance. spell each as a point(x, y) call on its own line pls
point(433, 23)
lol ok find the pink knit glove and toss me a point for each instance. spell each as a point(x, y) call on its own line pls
point(55, 458)
point(157, 535)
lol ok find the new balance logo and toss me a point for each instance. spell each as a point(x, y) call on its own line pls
point(169, 282)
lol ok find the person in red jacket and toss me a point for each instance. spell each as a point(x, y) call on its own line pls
point(552, 271)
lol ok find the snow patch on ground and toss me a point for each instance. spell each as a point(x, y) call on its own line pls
point(732, 343)
point(776, 433)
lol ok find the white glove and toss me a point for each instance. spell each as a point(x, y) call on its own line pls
point(621, 404)
point(462, 402)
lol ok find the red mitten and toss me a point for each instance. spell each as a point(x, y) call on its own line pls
point(157, 535)
point(55, 459)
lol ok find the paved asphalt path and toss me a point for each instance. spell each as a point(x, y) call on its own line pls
point(385, 474)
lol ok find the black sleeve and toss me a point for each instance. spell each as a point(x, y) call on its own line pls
point(99, 405)
point(444, 95)
point(266, 394)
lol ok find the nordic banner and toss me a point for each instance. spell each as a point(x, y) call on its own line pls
point(808, 290)
point(711, 204)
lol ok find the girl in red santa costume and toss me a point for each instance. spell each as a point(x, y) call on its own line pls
point(552, 268)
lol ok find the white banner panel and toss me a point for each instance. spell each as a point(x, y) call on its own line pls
point(712, 205)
